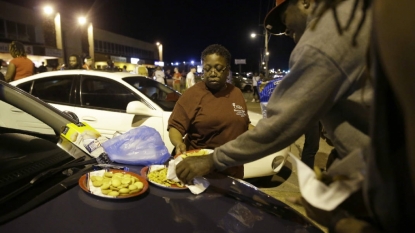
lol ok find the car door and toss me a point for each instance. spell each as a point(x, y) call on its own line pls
point(103, 103)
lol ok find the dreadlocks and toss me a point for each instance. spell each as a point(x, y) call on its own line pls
point(331, 5)
point(17, 49)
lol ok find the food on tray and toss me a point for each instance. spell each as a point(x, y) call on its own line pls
point(117, 184)
point(160, 177)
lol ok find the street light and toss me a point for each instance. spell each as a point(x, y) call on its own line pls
point(48, 10)
point(81, 20)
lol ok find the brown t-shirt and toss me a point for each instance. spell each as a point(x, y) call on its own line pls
point(210, 120)
point(24, 67)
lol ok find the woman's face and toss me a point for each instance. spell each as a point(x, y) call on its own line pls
point(215, 71)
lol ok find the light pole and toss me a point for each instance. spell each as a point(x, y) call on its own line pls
point(267, 37)
point(89, 37)
point(265, 58)
point(160, 49)
point(55, 29)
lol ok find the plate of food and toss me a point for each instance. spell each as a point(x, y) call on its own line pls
point(112, 183)
point(197, 152)
point(157, 175)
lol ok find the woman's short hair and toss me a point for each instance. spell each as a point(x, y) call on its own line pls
point(219, 50)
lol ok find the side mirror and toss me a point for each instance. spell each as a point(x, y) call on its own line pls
point(138, 108)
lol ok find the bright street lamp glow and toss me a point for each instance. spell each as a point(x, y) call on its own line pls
point(82, 20)
point(48, 10)
point(192, 62)
point(267, 53)
point(158, 43)
point(253, 35)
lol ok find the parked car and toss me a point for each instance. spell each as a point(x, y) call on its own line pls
point(242, 82)
point(119, 101)
point(40, 169)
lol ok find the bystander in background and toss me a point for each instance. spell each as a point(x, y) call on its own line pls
point(74, 62)
point(177, 78)
point(190, 77)
point(89, 63)
point(159, 75)
point(42, 68)
point(20, 66)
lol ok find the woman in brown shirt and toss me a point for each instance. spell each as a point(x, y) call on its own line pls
point(212, 112)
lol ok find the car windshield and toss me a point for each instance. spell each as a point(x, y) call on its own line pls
point(28, 146)
point(160, 94)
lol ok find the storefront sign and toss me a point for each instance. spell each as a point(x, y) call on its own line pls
point(4, 48)
point(118, 59)
point(53, 52)
point(159, 63)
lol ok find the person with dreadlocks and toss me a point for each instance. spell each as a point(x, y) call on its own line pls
point(326, 82)
point(20, 66)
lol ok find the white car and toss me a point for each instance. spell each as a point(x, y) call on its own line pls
point(120, 101)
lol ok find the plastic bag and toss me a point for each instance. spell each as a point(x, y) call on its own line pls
point(139, 146)
point(265, 90)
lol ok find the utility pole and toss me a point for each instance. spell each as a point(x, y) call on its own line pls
point(266, 55)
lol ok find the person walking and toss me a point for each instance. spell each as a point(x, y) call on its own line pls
point(20, 66)
point(159, 75)
point(177, 78)
point(190, 77)
point(42, 68)
point(255, 94)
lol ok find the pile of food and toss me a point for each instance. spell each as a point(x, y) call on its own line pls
point(159, 176)
point(117, 184)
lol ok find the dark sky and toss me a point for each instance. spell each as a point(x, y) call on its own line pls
point(185, 27)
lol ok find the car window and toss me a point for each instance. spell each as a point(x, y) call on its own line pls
point(12, 118)
point(53, 89)
point(26, 86)
point(161, 94)
point(105, 93)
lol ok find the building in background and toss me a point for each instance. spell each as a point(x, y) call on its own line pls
point(52, 38)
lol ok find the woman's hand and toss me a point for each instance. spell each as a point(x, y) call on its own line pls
point(176, 139)
point(180, 148)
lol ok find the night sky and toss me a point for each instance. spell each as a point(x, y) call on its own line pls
point(185, 27)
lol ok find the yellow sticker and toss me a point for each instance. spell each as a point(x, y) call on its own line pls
point(76, 134)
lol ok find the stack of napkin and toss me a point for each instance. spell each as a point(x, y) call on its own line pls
point(328, 197)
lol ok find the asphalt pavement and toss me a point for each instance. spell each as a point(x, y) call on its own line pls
point(285, 183)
